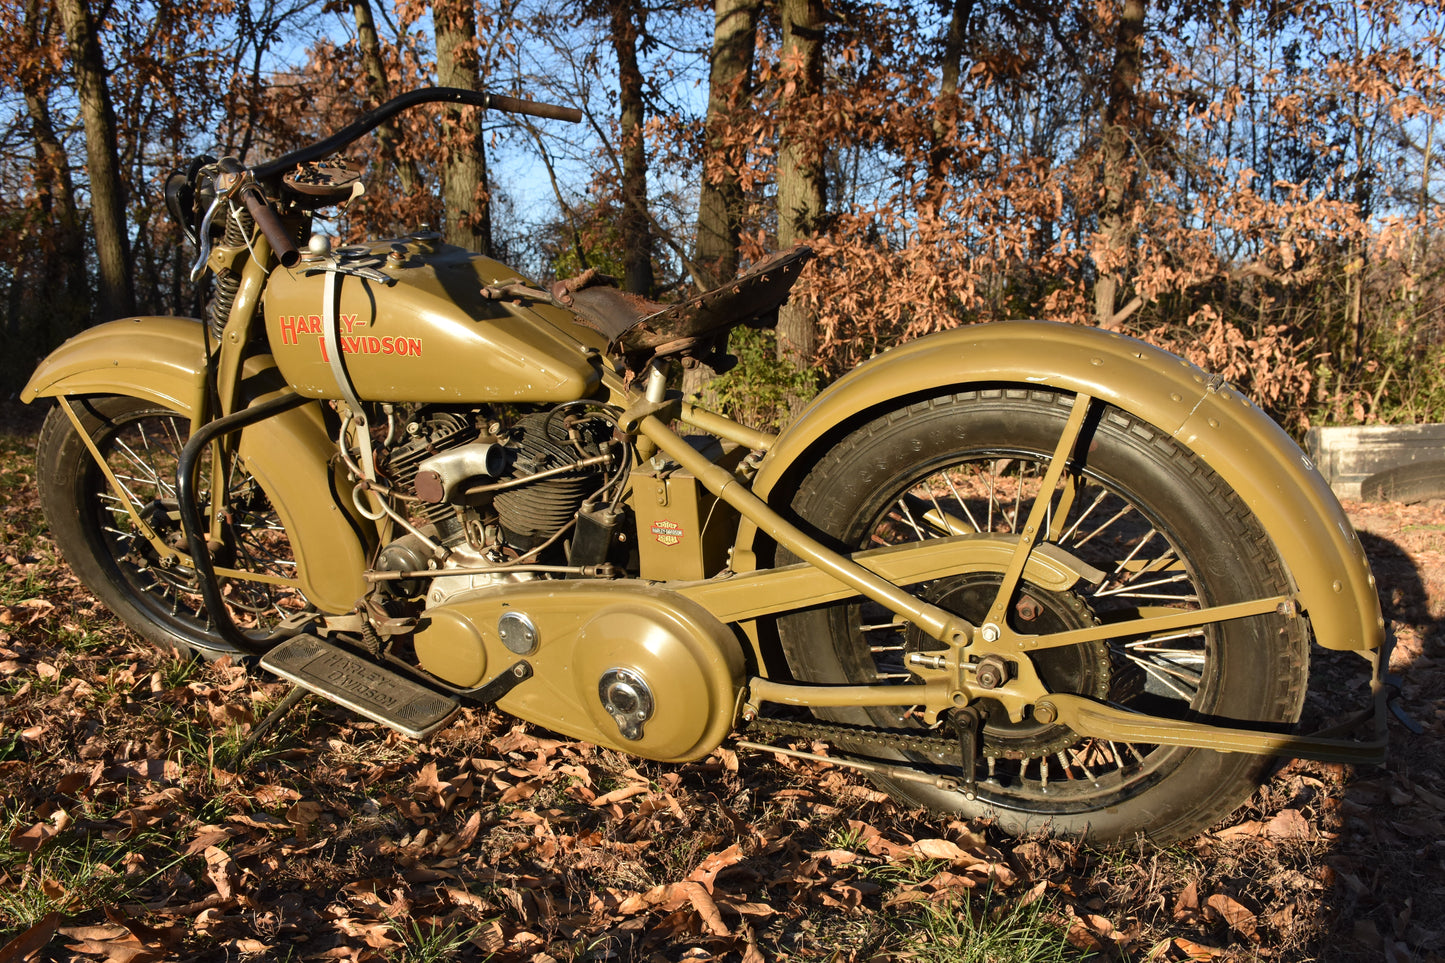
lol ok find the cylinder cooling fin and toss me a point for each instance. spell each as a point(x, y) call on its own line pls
point(540, 442)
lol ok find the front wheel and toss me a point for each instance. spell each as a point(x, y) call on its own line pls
point(1163, 532)
point(145, 586)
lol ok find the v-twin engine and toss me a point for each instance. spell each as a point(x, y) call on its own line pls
point(494, 494)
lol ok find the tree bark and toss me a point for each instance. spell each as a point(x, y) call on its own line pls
point(945, 108)
point(627, 24)
point(719, 213)
point(378, 90)
point(800, 184)
point(1123, 118)
point(467, 214)
point(107, 192)
point(64, 258)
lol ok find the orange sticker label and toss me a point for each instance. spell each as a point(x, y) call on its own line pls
point(666, 532)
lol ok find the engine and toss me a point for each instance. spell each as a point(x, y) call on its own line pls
point(491, 492)
point(498, 505)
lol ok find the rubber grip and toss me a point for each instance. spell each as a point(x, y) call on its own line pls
point(272, 227)
point(515, 105)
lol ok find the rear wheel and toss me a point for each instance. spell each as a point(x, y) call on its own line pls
point(1163, 531)
point(158, 598)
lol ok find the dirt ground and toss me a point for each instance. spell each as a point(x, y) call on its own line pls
point(1389, 856)
point(336, 840)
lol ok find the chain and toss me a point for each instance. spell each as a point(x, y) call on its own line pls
point(861, 738)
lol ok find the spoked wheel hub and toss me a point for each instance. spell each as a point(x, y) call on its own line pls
point(1079, 669)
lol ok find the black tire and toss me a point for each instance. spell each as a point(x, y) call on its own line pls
point(1417, 482)
point(1183, 538)
point(141, 443)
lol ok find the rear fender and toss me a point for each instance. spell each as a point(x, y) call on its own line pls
point(1275, 479)
point(162, 360)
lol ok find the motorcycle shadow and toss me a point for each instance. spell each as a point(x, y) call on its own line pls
point(1382, 897)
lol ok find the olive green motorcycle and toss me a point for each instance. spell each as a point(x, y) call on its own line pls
point(1033, 572)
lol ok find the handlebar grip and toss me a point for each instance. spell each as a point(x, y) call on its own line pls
point(515, 105)
point(272, 227)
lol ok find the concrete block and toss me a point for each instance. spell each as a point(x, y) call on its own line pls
point(1346, 456)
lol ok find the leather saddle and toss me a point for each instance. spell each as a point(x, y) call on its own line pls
point(642, 331)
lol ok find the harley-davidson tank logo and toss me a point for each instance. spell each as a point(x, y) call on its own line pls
point(295, 325)
point(666, 532)
point(371, 344)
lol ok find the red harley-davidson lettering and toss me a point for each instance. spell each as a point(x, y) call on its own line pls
point(295, 325)
point(371, 344)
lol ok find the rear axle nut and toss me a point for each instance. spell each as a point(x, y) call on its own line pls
point(992, 671)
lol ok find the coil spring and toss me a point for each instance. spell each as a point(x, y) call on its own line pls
point(226, 282)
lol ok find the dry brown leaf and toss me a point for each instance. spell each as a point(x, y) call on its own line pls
point(1035, 893)
point(1288, 824)
point(1186, 904)
point(259, 821)
point(835, 857)
point(937, 849)
point(707, 871)
point(31, 939)
point(1248, 828)
point(302, 815)
point(946, 881)
point(207, 836)
point(617, 795)
point(1235, 914)
point(522, 791)
point(221, 871)
point(1081, 935)
point(1430, 799)
point(1197, 951)
point(30, 840)
point(227, 714)
point(127, 950)
point(745, 908)
point(1367, 934)
point(702, 901)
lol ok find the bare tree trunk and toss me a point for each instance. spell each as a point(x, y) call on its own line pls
point(1122, 118)
point(627, 25)
point(465, 198)
point(65, 257)
point(800, 162)
point(107, 193)
point(719, 212)
point(378, 90)
point(720, 204)
point(945, 109)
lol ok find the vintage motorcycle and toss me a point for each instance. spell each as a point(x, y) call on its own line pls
point(1035, 572)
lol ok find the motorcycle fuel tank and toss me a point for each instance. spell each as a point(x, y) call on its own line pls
point(412, 324)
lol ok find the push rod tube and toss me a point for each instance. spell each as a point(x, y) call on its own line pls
point(195, 528)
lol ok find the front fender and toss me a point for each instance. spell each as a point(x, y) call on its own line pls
point(162, 360)
point(1240, 442)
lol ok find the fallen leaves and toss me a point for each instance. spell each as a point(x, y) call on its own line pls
point(339, 842)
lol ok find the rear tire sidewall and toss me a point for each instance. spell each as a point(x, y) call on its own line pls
point(1255, 667)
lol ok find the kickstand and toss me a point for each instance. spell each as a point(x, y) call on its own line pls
point(287, 703)
point(965, 723)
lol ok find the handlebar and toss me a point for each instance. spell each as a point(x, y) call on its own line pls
point(370, 121)
point(244, 180)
